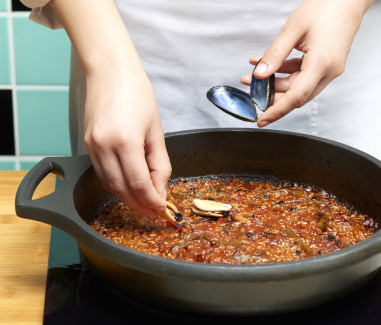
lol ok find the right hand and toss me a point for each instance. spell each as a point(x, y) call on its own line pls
point(125, 140)
point(324, 31)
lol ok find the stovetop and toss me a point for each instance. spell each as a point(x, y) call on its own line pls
point(76, 295)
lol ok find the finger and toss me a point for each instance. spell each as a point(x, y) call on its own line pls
point(158, 161)
point(97, 167)
point(277, 53)
point(288, 66)
point(297, 95)
point(116, 183)
point(318, 89)
point(109, 171)
point(137, 176)
point(282, 89)
point(278, 96)
point(283, 84)
point(246, 79)
point(255, 59)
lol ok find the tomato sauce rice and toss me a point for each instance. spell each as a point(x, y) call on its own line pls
point(267, 223)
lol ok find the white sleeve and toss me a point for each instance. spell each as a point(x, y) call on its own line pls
point(42, 14)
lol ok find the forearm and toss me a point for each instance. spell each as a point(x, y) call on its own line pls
point(366, 4)
point(98, 35)
point(123, 133)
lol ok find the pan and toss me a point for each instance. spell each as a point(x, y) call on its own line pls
point(350, 174)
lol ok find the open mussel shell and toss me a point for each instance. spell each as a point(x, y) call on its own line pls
point(233, 101)
point(262, 92)
point(242, 105)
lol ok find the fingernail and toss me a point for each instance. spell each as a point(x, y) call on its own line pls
point(263, 124)
point(247, 79)
point(261, 68)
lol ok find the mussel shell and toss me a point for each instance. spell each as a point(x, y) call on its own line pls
point(242, 105)
point(211, 205)
point(233, 101)
point(262, 91)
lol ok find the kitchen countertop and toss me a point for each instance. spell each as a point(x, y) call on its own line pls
point(24, 253)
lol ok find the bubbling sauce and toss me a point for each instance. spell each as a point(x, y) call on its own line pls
point(267, 223)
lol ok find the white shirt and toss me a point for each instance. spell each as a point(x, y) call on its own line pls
point(188, 47)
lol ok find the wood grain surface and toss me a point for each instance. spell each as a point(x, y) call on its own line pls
point(24, 252)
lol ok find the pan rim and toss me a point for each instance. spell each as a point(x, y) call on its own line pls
point(169, 268)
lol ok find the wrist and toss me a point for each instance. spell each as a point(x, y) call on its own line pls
point(115, 65)
point(362, 6)
point(98, 35)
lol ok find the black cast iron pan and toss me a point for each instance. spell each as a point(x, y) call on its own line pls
point(352, 175)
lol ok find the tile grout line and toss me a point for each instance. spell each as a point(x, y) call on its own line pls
point(36, 87)
point(42, 87)
point(26, 157)
point(13, 87)
point(9, 12)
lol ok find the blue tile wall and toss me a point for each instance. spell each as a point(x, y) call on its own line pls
point(3, 5)
point(34, 77)
point(5, 66)
point(43, 122)
point(41, 54)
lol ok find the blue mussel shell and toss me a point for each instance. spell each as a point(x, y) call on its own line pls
point(243, 105)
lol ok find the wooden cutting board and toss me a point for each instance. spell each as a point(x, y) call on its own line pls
point(24, 253)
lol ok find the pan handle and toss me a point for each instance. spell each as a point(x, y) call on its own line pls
point(57, 208)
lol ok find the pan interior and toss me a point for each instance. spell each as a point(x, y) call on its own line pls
point(354, 177)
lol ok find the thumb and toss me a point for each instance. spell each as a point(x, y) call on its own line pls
point(158, 162)
point(276, 54)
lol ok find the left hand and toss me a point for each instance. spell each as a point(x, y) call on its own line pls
point(324, 31)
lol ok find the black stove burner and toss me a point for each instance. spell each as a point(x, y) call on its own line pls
point(76, 295)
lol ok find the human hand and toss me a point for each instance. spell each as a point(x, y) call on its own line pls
point(123, 134)
point(125, 141)
point(323, 31)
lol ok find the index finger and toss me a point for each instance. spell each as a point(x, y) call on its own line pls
point(297, 95)
point(138, 178)
point(277, 52)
